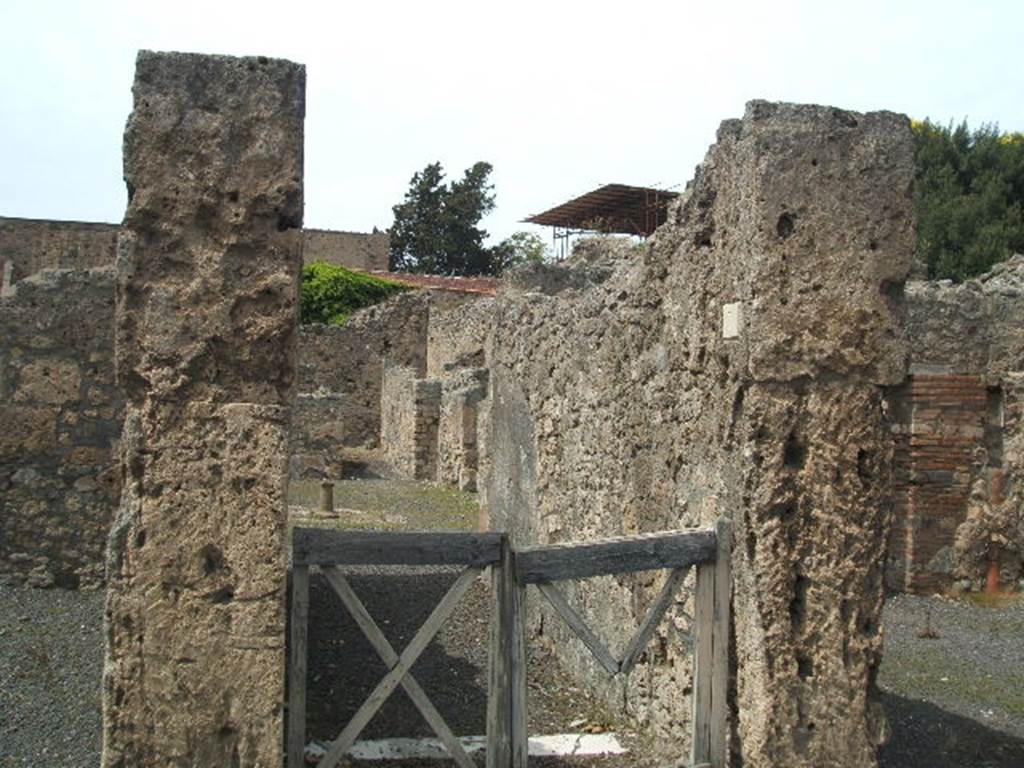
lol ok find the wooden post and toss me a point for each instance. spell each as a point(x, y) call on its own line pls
point(517, 667)
point(711, 654)
point(326, 498)
point(507, 737)
point(703, 611)
point(720, 637)
point(499, 740)
point(297, 667)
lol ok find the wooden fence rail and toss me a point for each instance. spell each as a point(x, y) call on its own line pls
point(512, 570)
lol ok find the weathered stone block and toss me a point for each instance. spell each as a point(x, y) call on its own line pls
point(53, 381)
point(617, 407)
point(211, 317)
point(27, 429)
point(208, 263)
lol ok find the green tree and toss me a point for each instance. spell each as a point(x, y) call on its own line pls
point(519, 248)
point(970, 198)
point(436, 230)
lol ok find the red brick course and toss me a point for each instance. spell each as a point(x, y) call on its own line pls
point(936, 460)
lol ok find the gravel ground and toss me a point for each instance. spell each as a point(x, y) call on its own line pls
point(51, 649)
point(955, 698)
point(51, 660)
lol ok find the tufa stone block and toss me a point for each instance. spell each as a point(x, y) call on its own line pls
point(208, 265)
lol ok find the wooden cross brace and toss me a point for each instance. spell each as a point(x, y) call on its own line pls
point(575, 622)
point(398, 667)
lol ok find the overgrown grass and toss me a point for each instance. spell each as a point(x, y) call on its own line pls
point(391, 505)
point(330, 294)
point(997, 600)
point(931, 673)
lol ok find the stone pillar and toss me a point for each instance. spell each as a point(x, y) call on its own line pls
point(208, 267)
point(733, 366)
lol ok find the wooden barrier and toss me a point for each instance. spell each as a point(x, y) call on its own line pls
point(512, 570)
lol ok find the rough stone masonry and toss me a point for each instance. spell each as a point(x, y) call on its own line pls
point(208, 268)
point(732, 366)
point(59, 480)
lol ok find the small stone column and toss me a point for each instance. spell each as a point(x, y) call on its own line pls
point(326, 498)
point(208, 266)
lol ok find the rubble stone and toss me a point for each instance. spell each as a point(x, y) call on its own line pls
point(58, 484)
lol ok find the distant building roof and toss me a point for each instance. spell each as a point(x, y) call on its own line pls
point(613, 208)
point(486, 286)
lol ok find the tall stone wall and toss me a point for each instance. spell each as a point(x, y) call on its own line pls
point(28, 246)
point(208, 267)
point(59, 481)
point(395, 330)
point(959, 445)
point(366, 251)
point(733, 366)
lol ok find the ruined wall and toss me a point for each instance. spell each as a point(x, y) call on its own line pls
point(456, 356)
point(355, 250)
point(208, 267)
point(973, 328)
point(60, 412)
point(733, 366)
point(958, 442)
point(409, 420)
point(30, 245)
point(430, 423)
point(458, 418)
point(340, 376)
point(457, 334)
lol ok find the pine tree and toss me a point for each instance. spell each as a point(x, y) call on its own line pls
point(970, 198)
point(436, 230)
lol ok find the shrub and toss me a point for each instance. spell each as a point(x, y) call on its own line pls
point(329, 293)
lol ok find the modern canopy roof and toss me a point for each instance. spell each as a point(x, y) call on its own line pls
point(613, 208)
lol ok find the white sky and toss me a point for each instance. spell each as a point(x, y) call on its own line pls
point(560, 97)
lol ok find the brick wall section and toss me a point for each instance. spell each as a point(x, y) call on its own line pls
point(61, 417)
point(958, 442)
point(940, 452)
